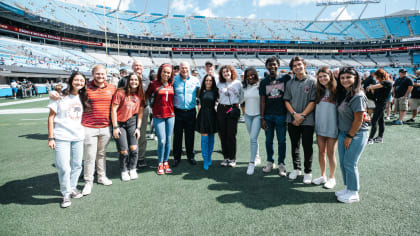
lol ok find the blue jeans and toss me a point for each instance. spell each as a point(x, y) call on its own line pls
point(277, 123)
point(253, 125)
point(350, 157)
point(68, 160)
point(164, 128)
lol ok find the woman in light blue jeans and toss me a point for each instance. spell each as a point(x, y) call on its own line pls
point(251, 98)
point(353, 131)
point(162, 93)
point(66, 134)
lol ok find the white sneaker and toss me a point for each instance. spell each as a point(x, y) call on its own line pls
point(152, 136)
point(87, 189)
point(307, 178)
point(133, 174)
point(330, 183)
point(250, 170)
point(257, 160)
point(349, 197)
point(124, 176)
point(75, 194)
point(282, 170)
point(225, 162)
point(269, 167)
point(341, 192)
point(66, 202)
point(105, 181)
point(294, 174)
point(320, 180)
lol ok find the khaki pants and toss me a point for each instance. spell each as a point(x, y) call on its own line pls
point(95, 143)
point(143, 129)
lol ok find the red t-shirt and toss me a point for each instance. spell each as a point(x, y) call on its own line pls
point(100, 99)
point(128, 105)
point(164, 105)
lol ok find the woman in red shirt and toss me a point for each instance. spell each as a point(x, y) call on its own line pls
point(126, 115)
point(162, 93)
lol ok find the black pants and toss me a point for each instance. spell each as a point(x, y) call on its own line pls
point(378, 118)
point(184, 122)
point(306, 133)
point(126, 139)
point(228, 128)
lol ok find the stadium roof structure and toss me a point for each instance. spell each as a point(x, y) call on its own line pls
point(157, 25)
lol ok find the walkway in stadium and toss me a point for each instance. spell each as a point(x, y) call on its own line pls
point(26, 110)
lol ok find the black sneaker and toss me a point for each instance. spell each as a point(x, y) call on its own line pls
point(141, 163)
point(225, 162)
point(410, 120)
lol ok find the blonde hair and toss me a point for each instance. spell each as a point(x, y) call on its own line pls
point(97, 66)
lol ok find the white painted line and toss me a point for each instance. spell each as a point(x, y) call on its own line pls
point(24, 101)
point(24, 111)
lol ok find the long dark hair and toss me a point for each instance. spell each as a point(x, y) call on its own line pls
point(82, 92)
point(355, 88)
point(159, 73)
point(127, 88)
point(252, 71)
point(320, 89)
point(214, 88)
point(232, 71)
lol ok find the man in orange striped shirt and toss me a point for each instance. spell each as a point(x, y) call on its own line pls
point(96, 120)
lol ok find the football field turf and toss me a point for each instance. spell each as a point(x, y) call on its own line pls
point(220, 201)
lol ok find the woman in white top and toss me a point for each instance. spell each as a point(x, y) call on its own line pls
point(326, 125)
point(66, 135)
point(228, 113)
point(251, 97)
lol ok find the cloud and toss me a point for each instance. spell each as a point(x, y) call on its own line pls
point(293, 3)
point(216, 3)
point(205, 12)
point(109, 3)
point(252, 16)
point(346, 15)
point(182, 6)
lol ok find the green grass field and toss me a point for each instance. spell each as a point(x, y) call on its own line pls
point(191, 201)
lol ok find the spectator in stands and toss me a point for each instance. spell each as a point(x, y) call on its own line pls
point(195, 74)
point(251, 100)
point(228, 113)
point(186, 89)
point(162, 92)
point(381, 91)
point(326, 125)
point(353, 131)
point(415, 97)
point(66, 134)
point(402, 89)
point(152, 77)
point(126, 115)
point(299, 99)
point(206, 123)
point(114, 79)
point(13, 85)
point(369, 80)
point(209, 68)
point(273, 113)
point(176, 70)
point(123, 73)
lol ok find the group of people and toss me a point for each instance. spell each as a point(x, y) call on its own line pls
point(85, 116)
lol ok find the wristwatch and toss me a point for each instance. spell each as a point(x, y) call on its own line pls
point(349, 136)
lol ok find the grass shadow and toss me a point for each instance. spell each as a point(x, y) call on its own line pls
point(39, 190)
point(259, 191)
point(37, 136)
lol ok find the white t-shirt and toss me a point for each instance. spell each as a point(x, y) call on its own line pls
point(68, 118)
point(13, 85)
point(229, 92)
point(251, 97)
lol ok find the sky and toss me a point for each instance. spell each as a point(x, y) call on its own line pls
point(257, 9)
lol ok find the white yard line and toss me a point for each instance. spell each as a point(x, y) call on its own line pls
point(24, 111)
point(23, 101)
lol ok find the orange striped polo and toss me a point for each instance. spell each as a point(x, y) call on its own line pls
point(100, 99)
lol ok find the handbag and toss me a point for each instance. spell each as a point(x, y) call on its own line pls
point(233, 112)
